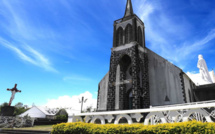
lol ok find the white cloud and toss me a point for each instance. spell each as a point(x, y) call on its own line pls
point(144, 9)
point(162, 37)
point(33, 56)
point(21, 25)
point(189, 49)
point(18, 24)
point(72, 101)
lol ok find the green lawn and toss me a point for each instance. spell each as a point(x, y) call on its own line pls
point(39, 127)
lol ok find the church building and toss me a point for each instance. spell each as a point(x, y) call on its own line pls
point(138, 77)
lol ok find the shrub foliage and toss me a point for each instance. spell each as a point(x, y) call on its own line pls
point(192, 127)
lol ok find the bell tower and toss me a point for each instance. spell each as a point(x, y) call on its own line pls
point(129, 28)
point(128, 86)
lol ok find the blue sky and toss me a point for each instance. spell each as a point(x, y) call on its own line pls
point(53, 48)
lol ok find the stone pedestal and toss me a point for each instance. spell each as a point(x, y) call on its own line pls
point(7, 111)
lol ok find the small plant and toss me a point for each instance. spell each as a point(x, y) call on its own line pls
point(61, 117)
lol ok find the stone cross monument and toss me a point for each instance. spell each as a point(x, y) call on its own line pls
point(14, 90)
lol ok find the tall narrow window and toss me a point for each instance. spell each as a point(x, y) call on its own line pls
point(139, 36)
point(119, 37)
point(125, 63)
point(130, 100)
point(128, 33)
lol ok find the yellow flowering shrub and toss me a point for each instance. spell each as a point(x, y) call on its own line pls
point(192, 127)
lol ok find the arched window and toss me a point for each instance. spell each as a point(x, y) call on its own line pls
point(130, 100)
point(128, 33)
point(119, 37)
point(140, 36)
point(125, 64)
point(125, 61)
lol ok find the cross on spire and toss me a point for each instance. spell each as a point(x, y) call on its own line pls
point(129, 9)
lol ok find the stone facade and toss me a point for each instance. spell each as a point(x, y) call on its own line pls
point(139, 78)
point(168, 83)
point(130, 60)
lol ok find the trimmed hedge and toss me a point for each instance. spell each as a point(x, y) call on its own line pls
point(192, 127)
point(42, 121)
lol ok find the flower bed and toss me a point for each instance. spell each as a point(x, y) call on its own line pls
point(192, 127)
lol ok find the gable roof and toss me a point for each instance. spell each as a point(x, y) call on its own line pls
point(47, 111)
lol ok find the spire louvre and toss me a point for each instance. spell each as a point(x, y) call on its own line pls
point(129, 9)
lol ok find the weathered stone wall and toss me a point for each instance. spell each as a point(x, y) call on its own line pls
point(116, 57)
point(188, 86)
point(144, 78)
point(167, 85)
point(11, 122)
point(156, 82)
point(102, 93)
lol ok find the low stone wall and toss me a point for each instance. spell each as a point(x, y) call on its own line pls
point(17, 122)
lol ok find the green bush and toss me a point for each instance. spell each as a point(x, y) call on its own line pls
point(61, 117)
point(192, 127)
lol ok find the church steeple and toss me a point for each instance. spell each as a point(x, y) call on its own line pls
point(128, 62)
point(129, 28)
point(129, 9)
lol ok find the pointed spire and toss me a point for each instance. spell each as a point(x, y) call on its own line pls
point(129, 9)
